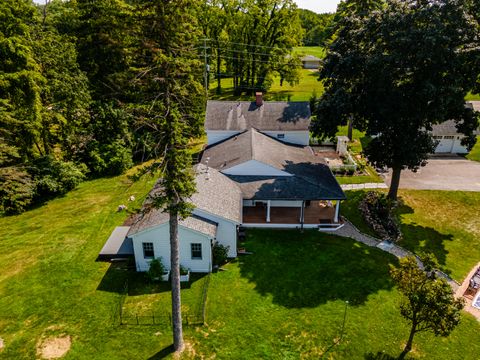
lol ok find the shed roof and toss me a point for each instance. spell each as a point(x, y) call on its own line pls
point(309, 58)
point(271, 115)
point(117, 244)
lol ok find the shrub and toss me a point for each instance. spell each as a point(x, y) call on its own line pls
point(350, 171)
point(156, 270)
point(183, 270)
point(377, 210)
point(55, 177)
point(109, 159)
point(17, 190)
point(220, 254)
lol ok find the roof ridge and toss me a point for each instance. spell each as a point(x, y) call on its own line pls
point(252, 147)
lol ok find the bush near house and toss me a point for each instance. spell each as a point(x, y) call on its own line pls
point(220, 254)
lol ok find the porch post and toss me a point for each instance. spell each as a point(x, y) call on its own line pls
point(302, 212)
point(268, 210)
point(337, 211)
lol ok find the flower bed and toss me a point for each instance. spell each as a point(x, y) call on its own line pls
point(377, 210)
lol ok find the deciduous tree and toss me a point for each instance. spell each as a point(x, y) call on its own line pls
point(399, 71)
point(428, 303)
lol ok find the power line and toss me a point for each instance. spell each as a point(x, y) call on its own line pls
point(244, 44)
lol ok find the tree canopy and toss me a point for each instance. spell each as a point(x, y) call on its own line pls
point(398, 71)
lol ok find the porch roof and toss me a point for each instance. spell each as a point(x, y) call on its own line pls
point(288, 188)
point(117, 245)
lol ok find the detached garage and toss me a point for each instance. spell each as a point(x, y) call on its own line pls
point(449, 140)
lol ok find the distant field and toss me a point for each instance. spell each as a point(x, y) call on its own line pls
point(302, 91)
point(317, 51)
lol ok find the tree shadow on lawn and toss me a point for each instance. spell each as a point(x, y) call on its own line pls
point(118, 274)
point(423, 240)
point(311, 268)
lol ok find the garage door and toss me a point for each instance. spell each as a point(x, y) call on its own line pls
point(445, 145)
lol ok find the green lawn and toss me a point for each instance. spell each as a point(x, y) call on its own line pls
point(285, 301)
point(318, 51)
point(444, 223)
point(475, 152)
point(302, 91)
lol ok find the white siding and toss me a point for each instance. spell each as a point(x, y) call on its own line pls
point(214, 136)
point(159, 236)
point(311, 64)
point(292, 137)
point(226, 231)
point(254, 167)
point(454, 146)
point(458, 148)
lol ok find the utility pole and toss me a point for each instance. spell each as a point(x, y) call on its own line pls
point(206, 67)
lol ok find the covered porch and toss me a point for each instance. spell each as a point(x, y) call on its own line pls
point(308, 213)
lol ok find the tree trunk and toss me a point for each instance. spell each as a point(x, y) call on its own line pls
point(408, 346)
point(175, 276)
point(350, 128)
point(392, 193)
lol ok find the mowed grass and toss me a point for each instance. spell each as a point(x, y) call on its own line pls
point(308, 85)
point(475, 152)
point(318, 51)
point(443, 223)
point(287, 300)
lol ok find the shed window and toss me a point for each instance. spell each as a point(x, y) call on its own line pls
point(196, 251)
point(280, 136)
point(148, 250)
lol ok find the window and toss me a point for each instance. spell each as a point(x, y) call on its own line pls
point(148, 250)
point(196, 251)
point(436, 137)
point(280, 136)
point(449, 137)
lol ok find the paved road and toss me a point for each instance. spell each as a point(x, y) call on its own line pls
point(454, 173)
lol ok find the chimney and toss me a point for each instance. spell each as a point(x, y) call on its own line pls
point(259, 98)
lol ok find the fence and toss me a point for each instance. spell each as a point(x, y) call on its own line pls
point(189, 318)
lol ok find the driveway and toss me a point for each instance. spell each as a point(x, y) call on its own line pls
point(454, 173)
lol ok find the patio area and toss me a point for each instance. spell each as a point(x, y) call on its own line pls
point(315, 213)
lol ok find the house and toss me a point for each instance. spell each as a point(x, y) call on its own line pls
point(215, 218)
point(288, 121)
point(449, 139)
point(310, 62)
point(283, 185)
point(246, 177)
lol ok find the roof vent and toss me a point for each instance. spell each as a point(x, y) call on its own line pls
point(259, 98)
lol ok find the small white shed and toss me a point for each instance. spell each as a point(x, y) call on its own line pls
point(310, 62)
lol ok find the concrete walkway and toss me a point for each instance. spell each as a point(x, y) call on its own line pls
point(364, 186)
point(350, 231)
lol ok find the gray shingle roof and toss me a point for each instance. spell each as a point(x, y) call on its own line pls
point(309, 58)
point(243, 115)
point(446, 128)
point(312, 178)
point(216, 194)
point(157, 217)
point(253, 145)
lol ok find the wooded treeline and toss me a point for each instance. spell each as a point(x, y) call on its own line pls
point(77, 96)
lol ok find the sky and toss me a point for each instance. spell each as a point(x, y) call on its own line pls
point(319, 6)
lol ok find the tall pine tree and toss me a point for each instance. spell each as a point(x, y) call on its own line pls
point(170, 104)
